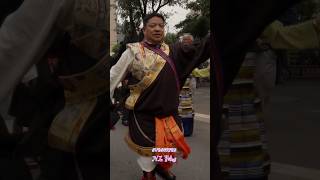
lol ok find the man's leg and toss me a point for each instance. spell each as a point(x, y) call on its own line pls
point(125, 116)
point(147, 166)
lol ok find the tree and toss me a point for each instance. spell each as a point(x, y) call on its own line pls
point(133, 11)
point(306, 9)
point(300, 12)
point(130, 14)
point(170, 38)
point(201, 7)
point(198, 21)
point(197, 26)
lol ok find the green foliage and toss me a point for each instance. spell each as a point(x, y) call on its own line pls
point(115, 48)
point(133, 11)
point(201, 6)
point(197, 26)
point(306, 9)
point(170, 38)
point(198, 22)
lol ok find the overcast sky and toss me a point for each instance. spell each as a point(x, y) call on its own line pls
point(179, 14)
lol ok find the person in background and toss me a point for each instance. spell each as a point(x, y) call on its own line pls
point(186, 110)
point(121, 94)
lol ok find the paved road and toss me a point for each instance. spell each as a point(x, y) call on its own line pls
point(293, 129)
point(123, 162)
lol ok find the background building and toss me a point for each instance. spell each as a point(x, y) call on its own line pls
point(113, 25)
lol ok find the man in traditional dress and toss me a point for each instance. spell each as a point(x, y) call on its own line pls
point(159, 72)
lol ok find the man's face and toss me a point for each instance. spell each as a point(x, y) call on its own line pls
point(187, 40)
point(154, 30)
point(262, 44)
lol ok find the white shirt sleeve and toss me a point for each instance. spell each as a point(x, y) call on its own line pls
point(119, 70)
point(25, 36)
point(31, 74)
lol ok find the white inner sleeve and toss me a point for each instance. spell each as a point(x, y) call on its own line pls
point(119, 70)
point(31, 74)
point(25, 36)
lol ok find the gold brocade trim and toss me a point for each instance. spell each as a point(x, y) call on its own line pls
point(89, 26)
point(143, 151)
point(67, 125)
point(87, 85)
point(149, 62)
point(60, 143)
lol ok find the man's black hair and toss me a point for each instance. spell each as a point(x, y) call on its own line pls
point(149, 16)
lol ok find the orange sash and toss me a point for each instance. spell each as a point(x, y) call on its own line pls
point(169, 135)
